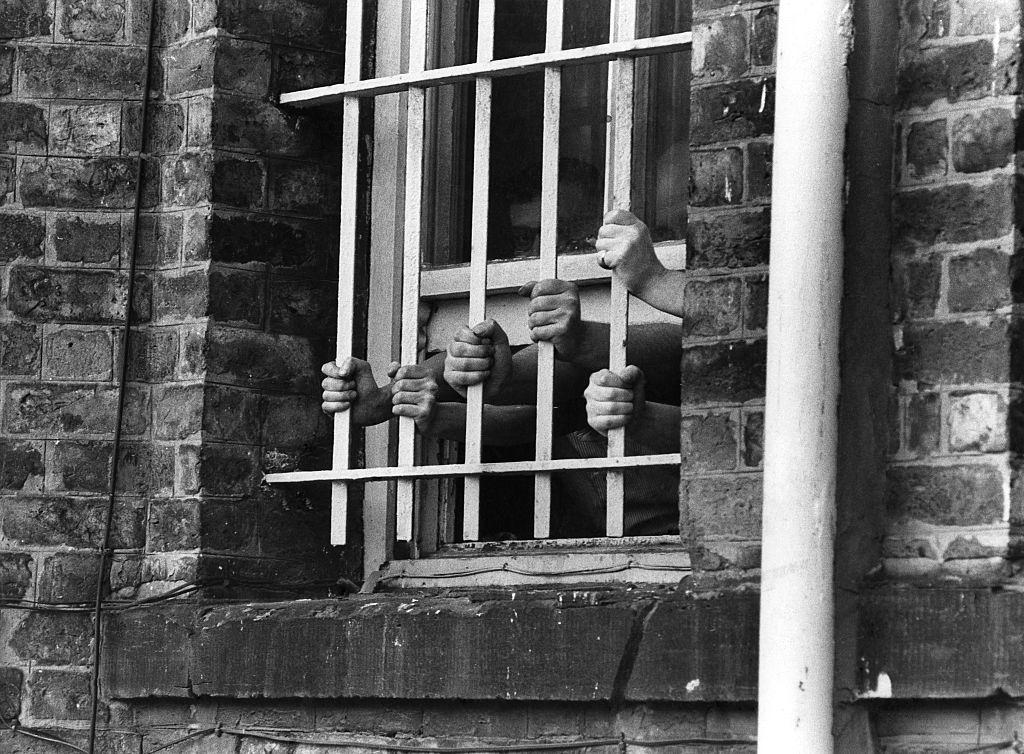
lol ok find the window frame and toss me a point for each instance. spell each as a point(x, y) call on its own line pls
point(640, 559)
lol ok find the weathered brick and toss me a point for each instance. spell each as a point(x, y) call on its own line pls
point(67, 408)
point(77, 354)
point(189, 66)
point(21, 236)
point(186, 471)
point(977, 422)
point(24, 18)
point(187, 179)
point(923, 423)
point(716, 177)
point(304, 23)
point(729, 240)
point(15, 575)
point(979, 281)
point(956, 352)
point(985, 18)
point(720, 48)
point(724, 372)
point(302, 306)
point(256, 359)
point(8, 179)
point(22, 124)
point(177, 411)
point(983, 141)
point(19, 349)
point(172, 20)
point(10, 692)
point(707, 443)
point(228, 526)
point(723, 506)
point(738, 110)
point(165, 133)
point(93, 129)
point(232, 414)
point(753, 439)
point(242, 67)
point(69, 522)
point(927, 148)
point(146, 469)
point(908, 547)
point(69, 577)
point(152, 354)
point(60, 694)
point(173, 525)
point(260, 127)
point(79, 466)
point(955, 214)
point(6, 69)
point(21, 466)
point(160, 240)
point(918, 282)
point(96, 241)
point(967, 71)
point(294, 420)
point(238, 183)
point(104, 182)
point(192, 363)
point(77, 296)
point(763, 34)
point(755, 303)
point(230, 470)
point(82, 71)
point(87, 20)
point(946, 495)
point(237, 297)
point(292, 526)
point(301, 187)
point(924, 19)
point(54, 638)
point(711, 307)
point(304, 69)
point(178, 297)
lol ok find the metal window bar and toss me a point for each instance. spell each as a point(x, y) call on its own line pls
point(620, 51)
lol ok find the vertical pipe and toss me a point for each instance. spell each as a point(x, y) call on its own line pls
point(801, 416)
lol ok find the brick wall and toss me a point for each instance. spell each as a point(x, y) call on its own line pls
point(951, 479)
point(723, 363)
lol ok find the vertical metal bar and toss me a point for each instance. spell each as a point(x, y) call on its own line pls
point(548, 266)
point(346, 259)
point(618, 168)
point(478, 262)
point(414, 141)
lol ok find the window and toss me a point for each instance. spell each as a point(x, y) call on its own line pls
point(503, 131)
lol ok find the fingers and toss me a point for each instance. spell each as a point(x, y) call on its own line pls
point(488, 331)
point(620, 217)
point(610, 398)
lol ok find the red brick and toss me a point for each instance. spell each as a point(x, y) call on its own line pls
point(708, 443)
point(54, 638)
point(74, 296)
point(82, 71)
point(983, 141)
point(923, 417)
point(924, 19)
point(967, 71)
point(927, 149)
point(961, 495)
point(956, 352)
point(19, 349)
point(955, 214)
point(720, 48)
point(102, 182)
point(15, 575)
point(725, 506)
point(763, 37)
point(917, 283)
point(738, 110)
point(729, 240)
point(753, 439)
point(21, 236)
point(755, 303)
point(716, 177)
point(24, 18)
point(979, 281)
point(77, 239)
point(711, 307)
point(724, 372)
point(22, 124)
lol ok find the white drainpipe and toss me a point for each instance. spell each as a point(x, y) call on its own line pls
point(805, 289)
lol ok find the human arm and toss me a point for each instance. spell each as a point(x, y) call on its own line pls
point(624, 246)
point(618, 400)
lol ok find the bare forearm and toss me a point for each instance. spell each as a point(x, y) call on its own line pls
point(501, 425)
point(656, 430)
point(664, 292)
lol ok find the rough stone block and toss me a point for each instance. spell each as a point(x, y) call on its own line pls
point(260, 127)
point(65, 408)
point(763, 37)
point(23, 125)
point(720, 48)
point(6, 69)
point(238, 183)
point(261, 360)
point(759, 171)
point(21, 466)
point(956, 352)
point(961, 495)
point(91, 21)
point(19, 349)
point(160, 240)
point(753, 439)
point(242, 67)
point(60, 694)
point(969, 548)
point(69, 577)
point(192, 364)
point(282, 243)
point(228, 526)
point(737, 110)
point(79, 466)
point(146, 469)
point(977, 422)
point(927, 149)
point(956, 213)
point(304, 69)
point(922, 20)
point(100, 182)
point(15, 575)
point(728, 240)
point(90, 240)
point(93, 129)
point(166, 128)
point(302, 307)
point(724, 372)
point(187, 179)
point(177, 411)
point(723, 506)
point(21, 236)
point(716, 177)
point(301, 187)
point(180, 297)
point(77, 355)
point(229, 470)
point(8, 175)
point(189, 67)
point(711, 307)
point(755, 303)
point(10, 692)
point(25, 18)
point(74, 296)
point(152, 354)
point(985, 18)
point(983, 141)
point(237, 297)
point(232, 414)
point(708, 443)
point(923, 423)
point(69, 522)
point(979, 281)
point(173, 525)
point(82, 71)
point(918, 283)
point(54, 638)
point(294, 420)
point(954, 73)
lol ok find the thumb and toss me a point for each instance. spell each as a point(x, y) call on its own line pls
point(393, 368)
point(526, 289)
point(633, 377)
point(620, 217)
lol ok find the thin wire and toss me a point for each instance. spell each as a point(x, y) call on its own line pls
point(108, 522)
point(544, 574)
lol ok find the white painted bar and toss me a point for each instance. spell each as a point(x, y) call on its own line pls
point(548, 266)
point(465, 469)
point(795, 689)
point(346, 261)
point(414, 140)
point(618, 169)
point(323, 95)
point(478, 262)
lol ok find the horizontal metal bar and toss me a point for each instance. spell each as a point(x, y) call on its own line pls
point(322, 95)
point(467, 469)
